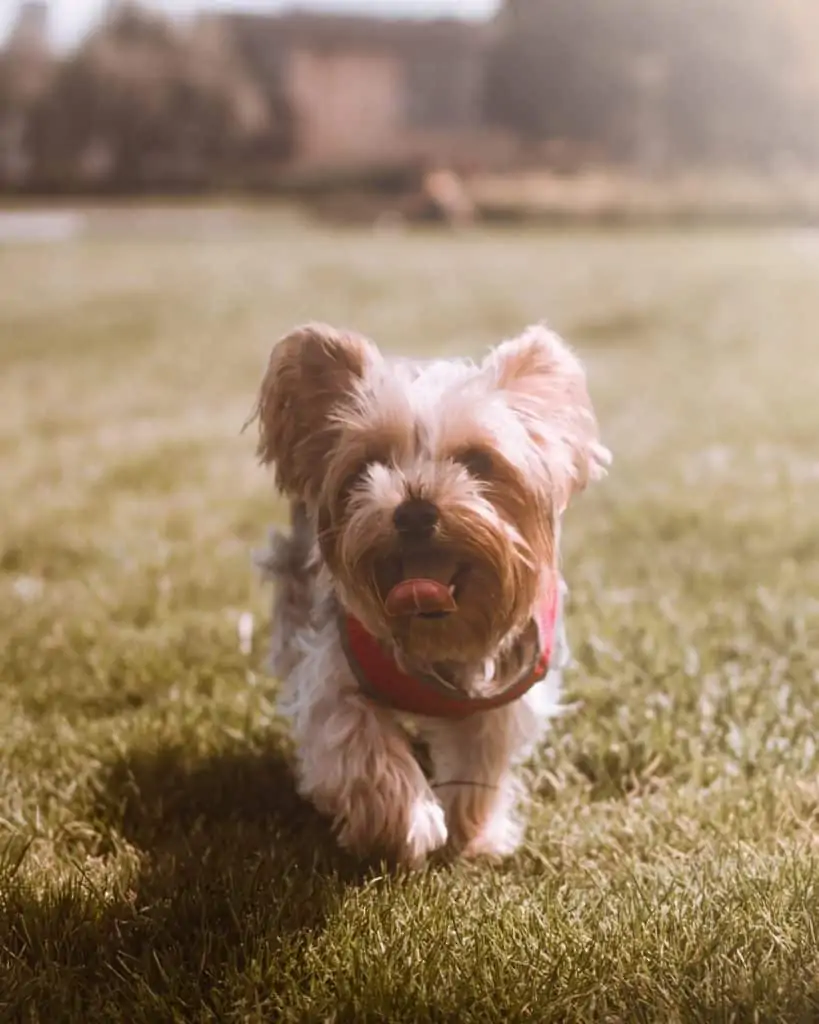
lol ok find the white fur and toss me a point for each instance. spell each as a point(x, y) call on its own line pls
point(354, 761)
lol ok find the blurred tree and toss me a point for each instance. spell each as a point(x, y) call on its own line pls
point(141, 105)
point(26, 67)
point(725, 81)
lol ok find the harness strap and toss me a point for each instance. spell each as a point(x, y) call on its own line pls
point(381, 679)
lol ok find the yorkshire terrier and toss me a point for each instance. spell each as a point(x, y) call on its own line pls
point(419, 589)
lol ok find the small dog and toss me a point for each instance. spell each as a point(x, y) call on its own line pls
point(420, 584)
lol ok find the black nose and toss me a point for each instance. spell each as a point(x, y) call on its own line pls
point(415, 518)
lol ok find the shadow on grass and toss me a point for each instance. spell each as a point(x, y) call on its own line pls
point(235, 874)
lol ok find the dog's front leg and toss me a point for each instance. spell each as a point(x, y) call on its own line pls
point(356, 766)
point(472, 761)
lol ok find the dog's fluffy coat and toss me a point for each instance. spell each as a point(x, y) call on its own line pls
point(496, 451)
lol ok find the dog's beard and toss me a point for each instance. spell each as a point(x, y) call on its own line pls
point(476, 555)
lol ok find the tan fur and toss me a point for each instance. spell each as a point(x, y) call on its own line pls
point(498, 448)
point(309, 373)
point(546, 385)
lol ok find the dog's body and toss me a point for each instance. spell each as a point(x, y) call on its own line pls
point(424, 555)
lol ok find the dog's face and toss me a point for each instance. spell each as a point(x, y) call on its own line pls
point(436, 488)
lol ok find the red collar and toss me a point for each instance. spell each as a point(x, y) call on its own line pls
point(381, 679)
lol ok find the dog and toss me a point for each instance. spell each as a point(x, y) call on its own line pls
point(418, 593)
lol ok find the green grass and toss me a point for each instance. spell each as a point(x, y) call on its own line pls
point(155, 863)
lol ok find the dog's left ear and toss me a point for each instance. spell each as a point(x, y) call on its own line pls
point(545, 384)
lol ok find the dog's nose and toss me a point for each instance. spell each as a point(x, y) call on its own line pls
point(415, 517)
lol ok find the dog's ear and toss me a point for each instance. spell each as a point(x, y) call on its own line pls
point(311, 372)
point(545, 384)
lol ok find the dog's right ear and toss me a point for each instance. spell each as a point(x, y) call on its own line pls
point(311, 372)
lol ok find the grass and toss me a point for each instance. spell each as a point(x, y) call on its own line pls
point(609, 196)
point(155, 863)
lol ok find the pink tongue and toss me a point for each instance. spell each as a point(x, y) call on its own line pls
point(409, 597)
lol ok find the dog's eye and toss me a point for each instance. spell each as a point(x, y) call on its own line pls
point(355, 478)
point(351, 481)
point(477, 462)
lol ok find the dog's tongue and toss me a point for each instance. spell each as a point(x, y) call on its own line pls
point(418, 596)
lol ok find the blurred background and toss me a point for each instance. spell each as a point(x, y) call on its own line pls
point(455, 108)
point(180, 184)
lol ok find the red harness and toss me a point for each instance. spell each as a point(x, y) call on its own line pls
point(381, 679)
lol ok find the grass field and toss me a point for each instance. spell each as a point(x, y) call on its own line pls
point(155, 863)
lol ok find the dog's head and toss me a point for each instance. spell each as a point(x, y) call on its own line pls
point(436, 488)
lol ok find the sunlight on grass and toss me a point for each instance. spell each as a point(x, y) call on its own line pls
point(155, 862)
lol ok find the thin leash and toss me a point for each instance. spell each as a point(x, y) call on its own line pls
point(463, 782)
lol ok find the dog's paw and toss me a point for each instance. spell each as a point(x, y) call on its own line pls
point(498, 839)
point(405, 831)
point(427, 830)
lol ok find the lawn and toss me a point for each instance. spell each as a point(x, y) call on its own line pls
point(155, 862)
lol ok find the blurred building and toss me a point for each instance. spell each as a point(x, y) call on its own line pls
point(370, 91)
